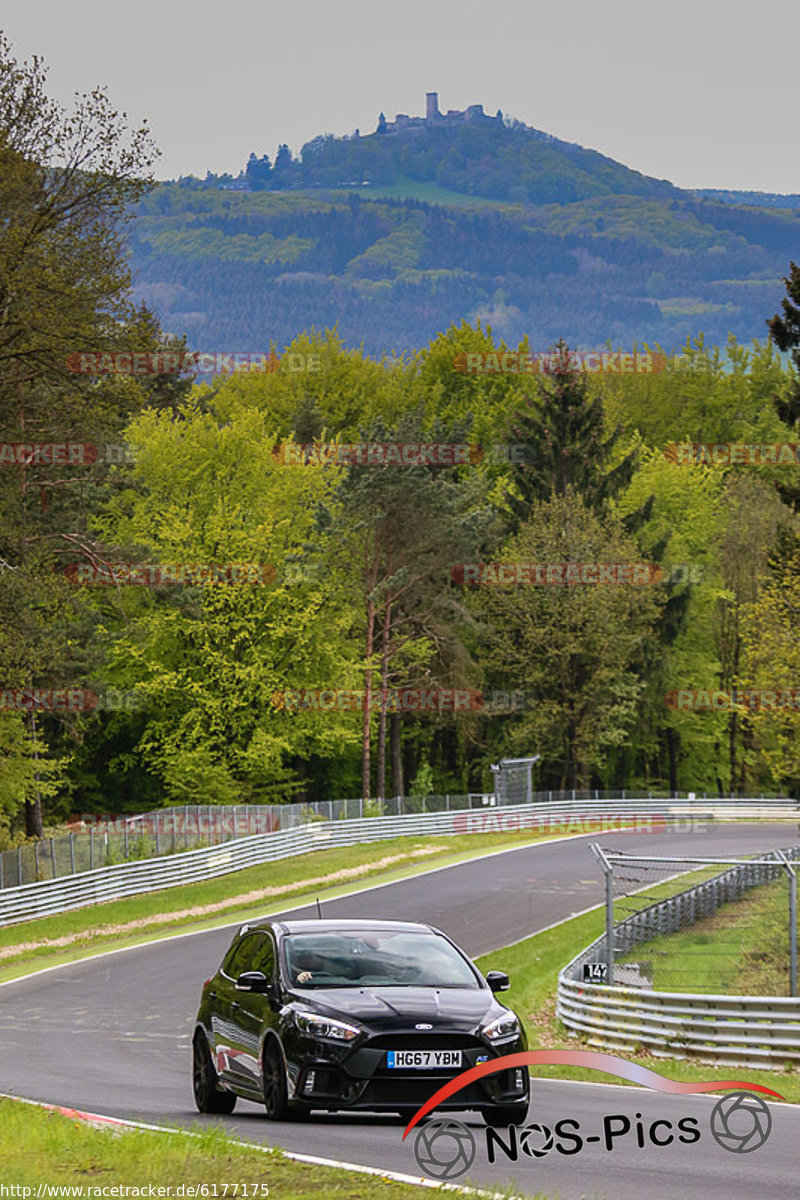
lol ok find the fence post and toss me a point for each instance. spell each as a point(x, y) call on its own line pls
point(1, 869)
point(126, 840)
point(72, 852)
point(792, 922)
point(609, 874)
point(91, 848)
point(19, 864)
point(53, 855)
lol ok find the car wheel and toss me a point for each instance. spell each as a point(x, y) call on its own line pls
point(276, 1097)
point(208, 1096)
point(506, 1114)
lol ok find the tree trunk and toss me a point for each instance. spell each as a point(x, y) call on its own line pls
point(387, 625)
point(673, 746)
point(365, 732)
point(397, 758)
point(33, 808)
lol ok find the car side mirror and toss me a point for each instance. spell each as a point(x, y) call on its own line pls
point(252, 981)
point(498, 981)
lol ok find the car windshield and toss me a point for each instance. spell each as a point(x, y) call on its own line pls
point(369, 958)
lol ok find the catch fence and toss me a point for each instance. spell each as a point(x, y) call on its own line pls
point(707, 970)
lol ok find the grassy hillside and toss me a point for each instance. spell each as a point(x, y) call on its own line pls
point(236, 271)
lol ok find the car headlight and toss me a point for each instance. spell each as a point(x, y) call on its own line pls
point(504, 1026)
point(323, 1027)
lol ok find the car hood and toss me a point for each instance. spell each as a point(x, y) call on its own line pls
point(389, 1007)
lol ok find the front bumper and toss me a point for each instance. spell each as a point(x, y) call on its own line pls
point(331, 1078)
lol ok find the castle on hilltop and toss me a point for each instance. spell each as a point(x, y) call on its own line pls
point(473, 115)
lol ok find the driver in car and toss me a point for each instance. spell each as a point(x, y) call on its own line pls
point(308, 963)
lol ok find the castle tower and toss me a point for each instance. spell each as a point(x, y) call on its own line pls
point(432, 106)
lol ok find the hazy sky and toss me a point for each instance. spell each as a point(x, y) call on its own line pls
point(701, 92)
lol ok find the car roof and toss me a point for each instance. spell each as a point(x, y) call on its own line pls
point(339, 925)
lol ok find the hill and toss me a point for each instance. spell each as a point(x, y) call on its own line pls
point(451, 217)
point(465, 152)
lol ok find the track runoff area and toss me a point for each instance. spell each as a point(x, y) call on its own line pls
point(111, 1035)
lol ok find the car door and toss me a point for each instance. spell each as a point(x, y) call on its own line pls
point(229, 1050)
point(254, 1012)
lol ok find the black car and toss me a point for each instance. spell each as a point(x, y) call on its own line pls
point(357, 1015)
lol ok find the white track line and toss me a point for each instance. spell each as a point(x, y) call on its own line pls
point(99, 1121)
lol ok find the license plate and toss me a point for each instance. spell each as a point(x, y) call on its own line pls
point(421, 1059)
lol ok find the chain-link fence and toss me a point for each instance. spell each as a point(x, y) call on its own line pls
point(513, 780)
point(100, 841)
point(709, 926)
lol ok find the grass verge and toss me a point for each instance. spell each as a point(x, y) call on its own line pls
point(258, 890)
point(533, 965)
point(742, 949)
point(70, 1153)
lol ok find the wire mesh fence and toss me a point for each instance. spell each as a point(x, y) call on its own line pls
point(513, 780)
point(707, 926)
point(99, 841)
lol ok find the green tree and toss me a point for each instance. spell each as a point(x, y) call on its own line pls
point(576, 648)
point(785, 333)
point(218, 662)
point(562, 430)
point(771, 661)
point(67, 182)
point(405, 526)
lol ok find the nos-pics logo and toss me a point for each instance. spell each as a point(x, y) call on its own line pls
point(445, 1148)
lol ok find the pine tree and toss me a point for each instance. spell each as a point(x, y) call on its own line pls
point(785, 333)
point(562, 431)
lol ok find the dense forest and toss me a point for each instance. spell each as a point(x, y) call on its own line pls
point(269, 576)
point(238, 271)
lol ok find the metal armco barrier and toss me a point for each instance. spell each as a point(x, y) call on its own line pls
point(741, 1031)
point(749, 1031)
point(567, 816)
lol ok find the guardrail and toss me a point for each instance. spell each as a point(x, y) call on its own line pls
point(750, 1031)
point(105, 841)
point(580, 816)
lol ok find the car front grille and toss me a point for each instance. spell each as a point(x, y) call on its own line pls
point(425, 1041)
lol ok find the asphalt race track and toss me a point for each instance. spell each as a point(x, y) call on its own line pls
point(113, 1035)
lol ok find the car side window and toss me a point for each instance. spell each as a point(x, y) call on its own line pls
point(241, 957)
point(264, 955)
